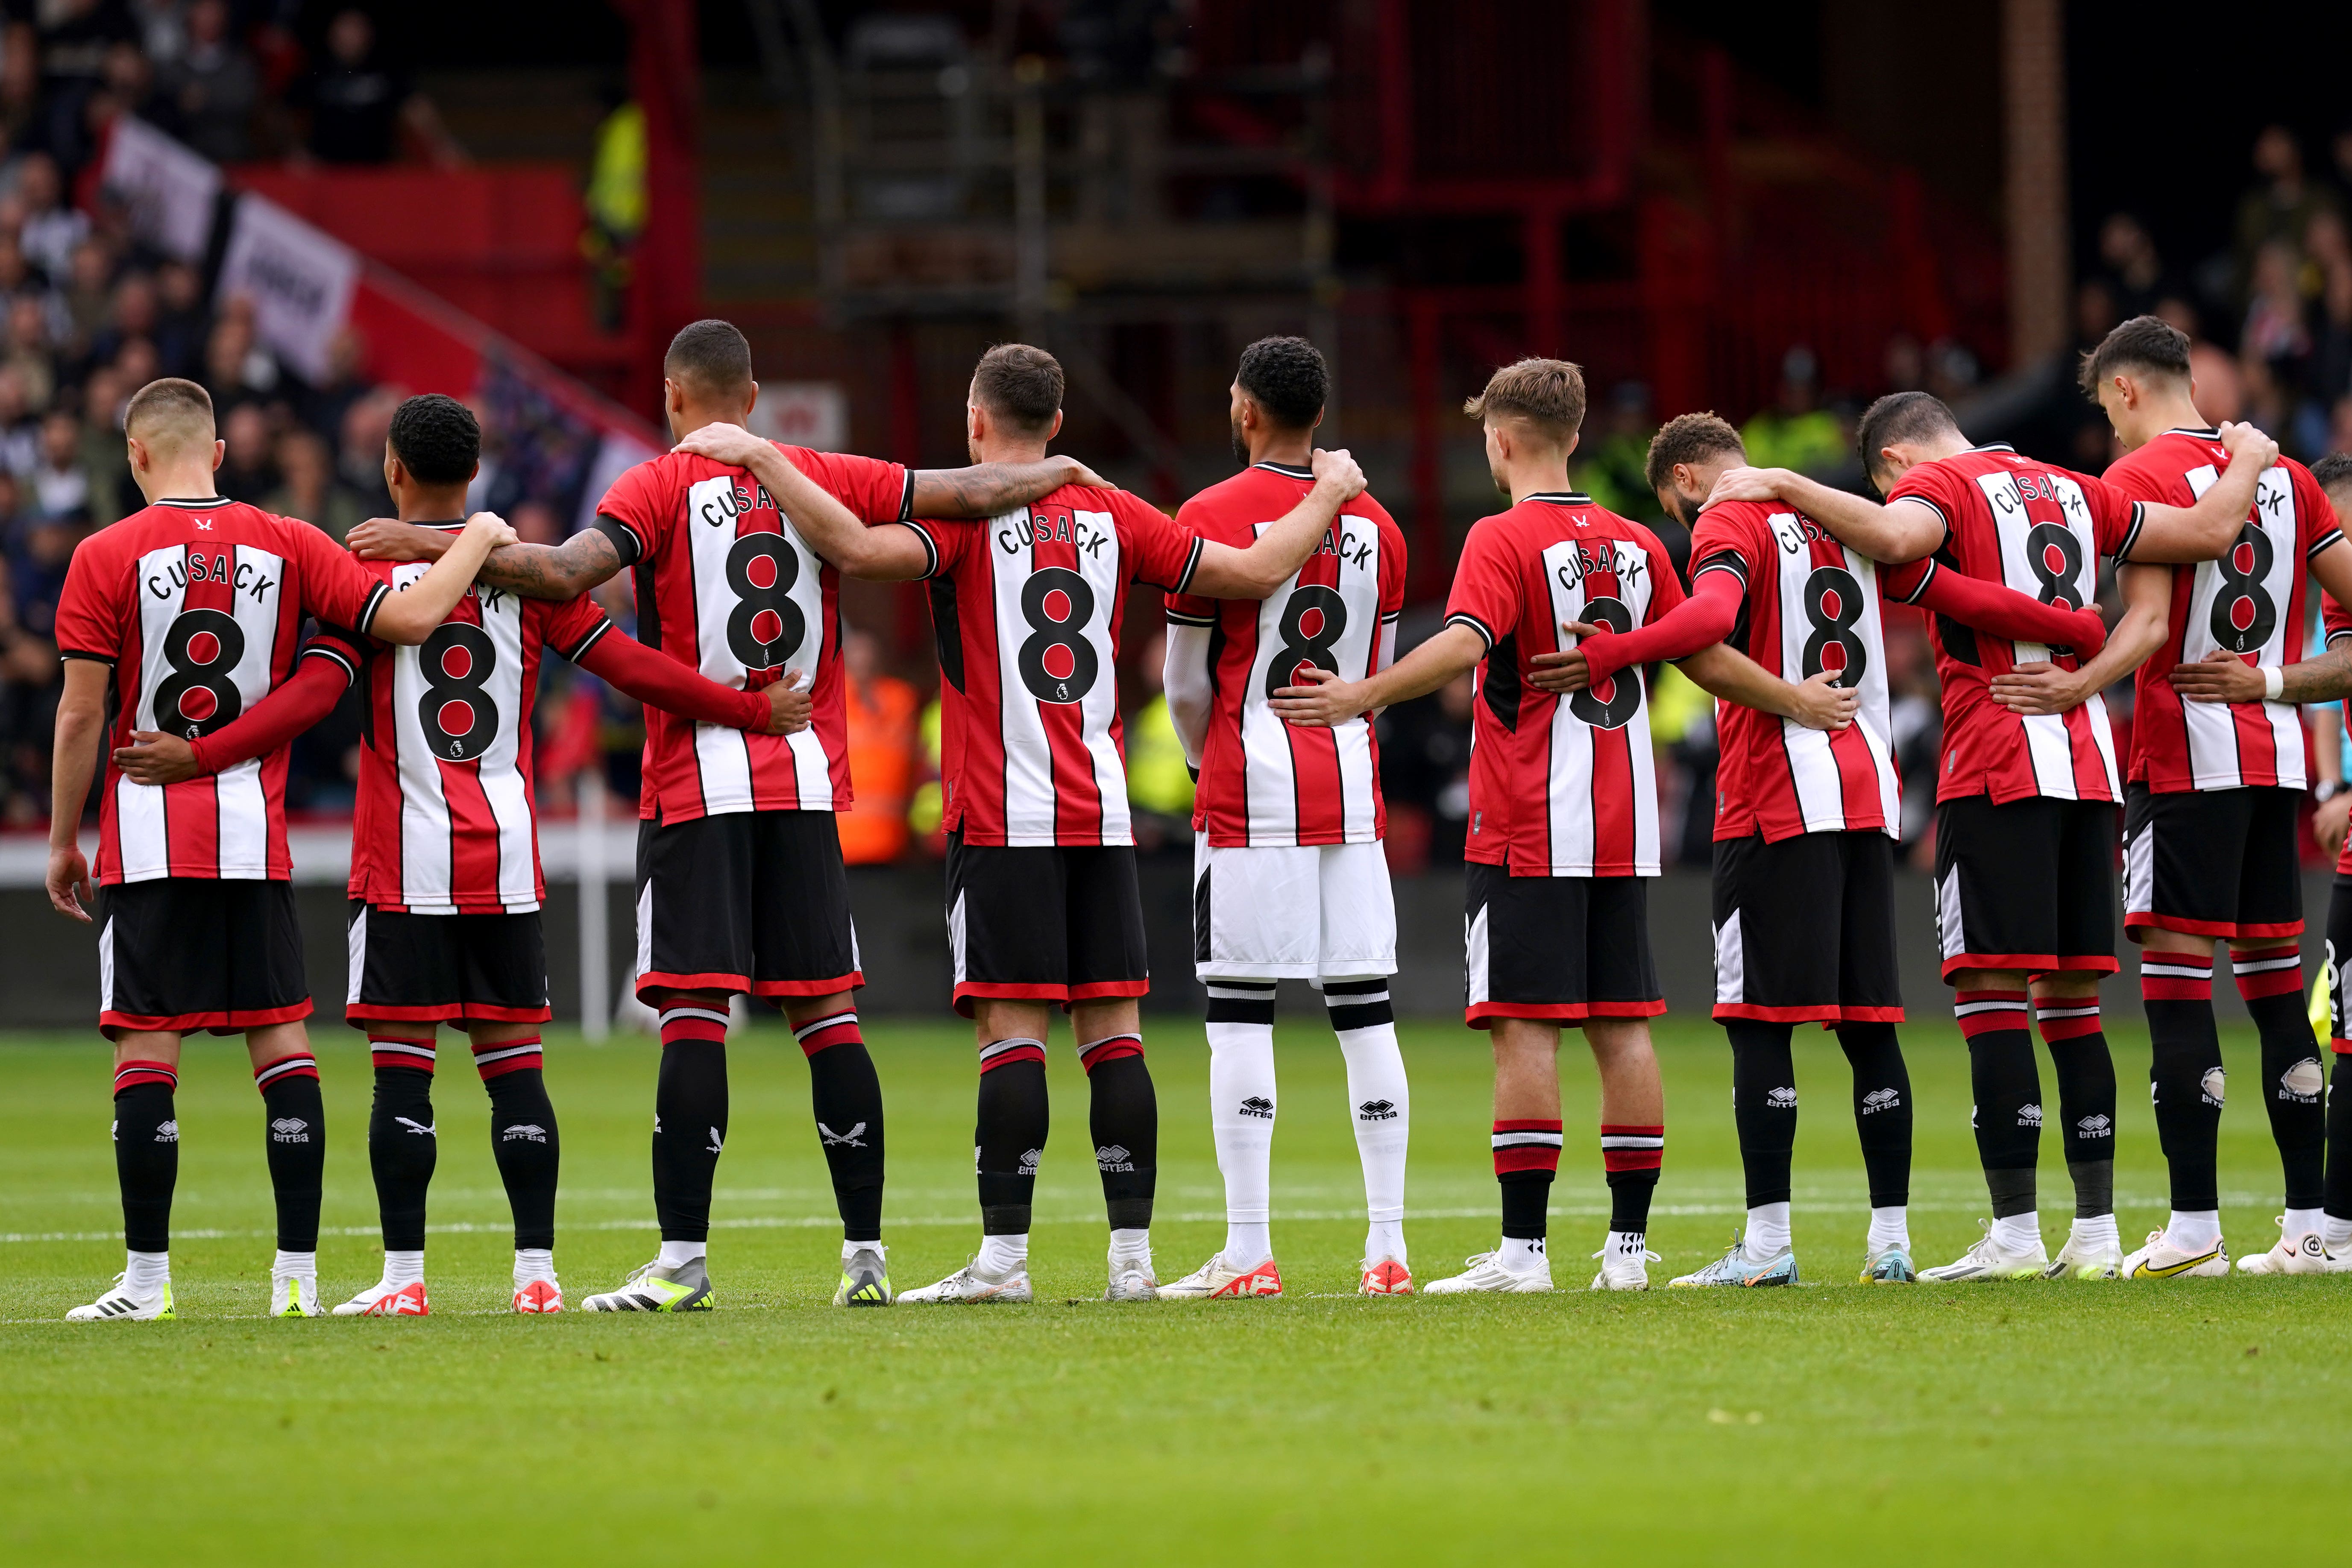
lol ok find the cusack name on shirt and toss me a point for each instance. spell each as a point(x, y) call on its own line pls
point(1056, 526)
point(245, 577)
point(1623, 559)
point(1794, 531)
point(722, 507)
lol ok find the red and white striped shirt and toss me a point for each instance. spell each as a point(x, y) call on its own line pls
point(1813, 604)
point(2040, 529)
point(1263, 782)
point(197, 604)
point(446, 822)
point(1560, 788)
point(1027, 609)
point(727, 588)
point(2250, 602)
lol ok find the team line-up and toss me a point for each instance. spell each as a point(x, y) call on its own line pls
point(188, 670)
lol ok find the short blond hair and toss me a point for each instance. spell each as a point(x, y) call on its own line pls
point(171, 412)
point(1546, 393)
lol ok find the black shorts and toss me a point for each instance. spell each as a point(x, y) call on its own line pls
point(447, 969)
point(189, 952)
point(1061, 924)
point(1804, 929)
point(1562, 949)
point(2340, 948)
point(751, 901)
point(2214, 863)
point(2030, 885)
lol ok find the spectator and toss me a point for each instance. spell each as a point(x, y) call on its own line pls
point(882, 753)
point(213, 86)
point(1797, 432)
point(100, 449)
point(346, 384)
point(2329, 247)
point(29, 352)
point(1159, 782)
point(1609, 464)
point(162, 29)
point(50, 229)
point(309, 489)
point(359, 454)
point(2133, 273)
point(359, 104)
point(60, 486)
point(20, 82)
point(237, 367)
point(179, 320)
point(2278, 208)
point(89, 296)
point(248, 471)
point(535, 522)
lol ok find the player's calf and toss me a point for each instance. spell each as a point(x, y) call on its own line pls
point(295, 1128)
point(146, 1134)
point(525, 1142)
point(402, 1148)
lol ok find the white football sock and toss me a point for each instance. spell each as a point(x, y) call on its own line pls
point(1131, 1248)
point(679, 1253)
point(402, 1269)
point(532, 1263)
point(2193, 1230)
point(2019, 1232)
point(2098, 1231)
point(1002, 1255)
point(850, 1249)
point(305, 1263)
point(1521, 1255)
point(1889, 1227)
point(1381, 1105)
point(1626, 1243)
point(2335, 1237)
point(1241, 1117)
point(1768, 1232)
point(2300, 1220)
point(144, 1273)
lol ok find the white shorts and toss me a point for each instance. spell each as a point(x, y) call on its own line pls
point(1320, 911)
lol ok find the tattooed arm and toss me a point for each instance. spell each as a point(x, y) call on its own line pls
point(992, 489)
point(562, 571)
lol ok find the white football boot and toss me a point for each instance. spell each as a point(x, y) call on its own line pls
point(1214, 1280)
point(2085, 1260)
point(2299, 1254)
point(1624, 1268)
point(293, 1295)
point(1989, 1259)
point(2160, 1259)
point(1486, 1273)
point(118, 1304)
point(969, 1285)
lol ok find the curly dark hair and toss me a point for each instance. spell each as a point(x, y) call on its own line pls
point(436, 438)
point(1689, 438)
point(1288, 379)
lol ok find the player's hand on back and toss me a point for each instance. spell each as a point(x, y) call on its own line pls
point(1337, 469)
point(389, 539)
point(2220, 677)
point(70, 893)
point(729, 444)
point(2039, 688)
point(790, 705)
point(2092, 637)
point(492, 525)
point(1744, 484)
point(1323, 701)
point(154, 758)
point(1085, 476)
point(1823, 704)
point(2243, 441)
point(1564, 672)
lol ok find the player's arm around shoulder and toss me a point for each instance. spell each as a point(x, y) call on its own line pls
point(1906, 528)
point(1226, 573)
point(411, 616)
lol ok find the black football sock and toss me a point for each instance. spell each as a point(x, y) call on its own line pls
point(1527, 1161)
point(1630, 1192)
point(402, 1150)
point(2085, 1071)
point(2271, 981)
point(146, 1152)
point(845, 1094)
point(1010, 1137)
point(2008, 1088)
point(1763, 1107)
point(690, 1130)
point(1123, 1117)
point(523, 1138)
point(297, 1130)
point(1881, 1109)
point(2184, 1072)
point(2339, 1141)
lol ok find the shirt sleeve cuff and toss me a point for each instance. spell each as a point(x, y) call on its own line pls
point(624, 539)
point(333, 655)
point(2131, 534)
point(2332, 537)
point(105, 658)
point(1191, 565)
point(588, 639)
point(930, 546)
point(906, 499)
point(1465, 618)
point(1927, 575)
point(365, 622)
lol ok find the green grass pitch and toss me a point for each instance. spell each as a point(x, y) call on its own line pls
point(2184, 1421)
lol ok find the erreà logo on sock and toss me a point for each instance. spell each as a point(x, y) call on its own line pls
point(1783, 1098)
point(1111, 1157)
point(1259, 1106)
point(1879, 1099)
point(167, 1132)
point(289, 1129)
point(1029, 1159)
point(2303, 1081)
point(2215, 1085)
point(1377, 1111)
point(525, 1131)
point(2095, 1125)
point(2029, 1116)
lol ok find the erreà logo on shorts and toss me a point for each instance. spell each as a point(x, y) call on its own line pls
point(1259, 1106)
point(1377, 1111)
point(289, 1129)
